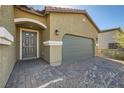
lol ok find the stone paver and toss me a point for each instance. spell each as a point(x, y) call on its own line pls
point(93, 72)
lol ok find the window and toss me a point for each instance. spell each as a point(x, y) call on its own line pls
point(113, 45)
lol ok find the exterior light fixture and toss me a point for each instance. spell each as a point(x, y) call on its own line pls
point(97, 45)
point(57, 32)
point(84, 20)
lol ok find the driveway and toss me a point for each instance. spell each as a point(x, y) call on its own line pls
point(93, 72)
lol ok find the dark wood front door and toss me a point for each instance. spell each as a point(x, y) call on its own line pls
point(29, 45)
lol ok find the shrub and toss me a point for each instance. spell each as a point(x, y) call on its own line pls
point(113, 53)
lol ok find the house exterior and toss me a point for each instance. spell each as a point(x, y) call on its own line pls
point(107, 39)
point(54, 34)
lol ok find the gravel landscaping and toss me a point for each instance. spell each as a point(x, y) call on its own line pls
point(89, 73)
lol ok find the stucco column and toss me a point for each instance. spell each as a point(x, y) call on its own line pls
point(55, 52)
point(55, 55)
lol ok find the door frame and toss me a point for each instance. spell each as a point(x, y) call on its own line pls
point(28, 30)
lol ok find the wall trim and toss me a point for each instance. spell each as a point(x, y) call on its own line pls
point(4, 33)
point(4, 42)
point(17, 20)
point(53, 43)
point(30, 30)
point(5, 37)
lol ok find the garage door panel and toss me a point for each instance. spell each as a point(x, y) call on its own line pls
point(76, 48)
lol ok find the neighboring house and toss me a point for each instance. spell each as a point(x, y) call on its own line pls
point(54, 34)
point(107, 39)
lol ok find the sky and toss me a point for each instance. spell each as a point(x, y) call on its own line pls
point(105, 17)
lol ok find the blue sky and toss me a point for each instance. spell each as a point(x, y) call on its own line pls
point(104, 16)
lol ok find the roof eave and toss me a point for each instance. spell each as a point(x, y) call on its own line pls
point(112, 29)
point(92, 22)
point(29, 11)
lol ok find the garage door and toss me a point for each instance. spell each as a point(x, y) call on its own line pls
point(77, 48)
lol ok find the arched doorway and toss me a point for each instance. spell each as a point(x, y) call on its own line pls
point(29, 37)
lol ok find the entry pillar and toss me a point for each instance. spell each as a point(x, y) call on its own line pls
point(55, 52)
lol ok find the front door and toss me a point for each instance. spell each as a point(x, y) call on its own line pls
point(29, 45)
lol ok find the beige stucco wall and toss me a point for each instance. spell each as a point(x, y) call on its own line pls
point(71, 24)
point(68, 23)
point(105, 38)
point(7, 53)
point(45, 50)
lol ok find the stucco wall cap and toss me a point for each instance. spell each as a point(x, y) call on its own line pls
point(5, 34)
point(4, 42)
point(53, 43)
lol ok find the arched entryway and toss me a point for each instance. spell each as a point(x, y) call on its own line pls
point(31, 21)
point(28, 40)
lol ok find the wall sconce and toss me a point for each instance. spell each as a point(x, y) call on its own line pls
point(57, 32)
point(97, 45)
point(84, 20)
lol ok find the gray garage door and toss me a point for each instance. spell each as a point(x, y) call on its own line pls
point(77, 48)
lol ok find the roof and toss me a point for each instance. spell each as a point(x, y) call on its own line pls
point(50, 9)
point(30, 10)
point(112, 29)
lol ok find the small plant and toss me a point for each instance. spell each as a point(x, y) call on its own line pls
point(120, 39)
point(113, 53)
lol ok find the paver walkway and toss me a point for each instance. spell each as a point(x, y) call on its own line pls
point(94, 72)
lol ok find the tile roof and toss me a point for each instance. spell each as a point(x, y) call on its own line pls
point(49, 9)
point(30, 10)
point(60, 10)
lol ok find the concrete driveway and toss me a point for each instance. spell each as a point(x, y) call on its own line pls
point(94, 72)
